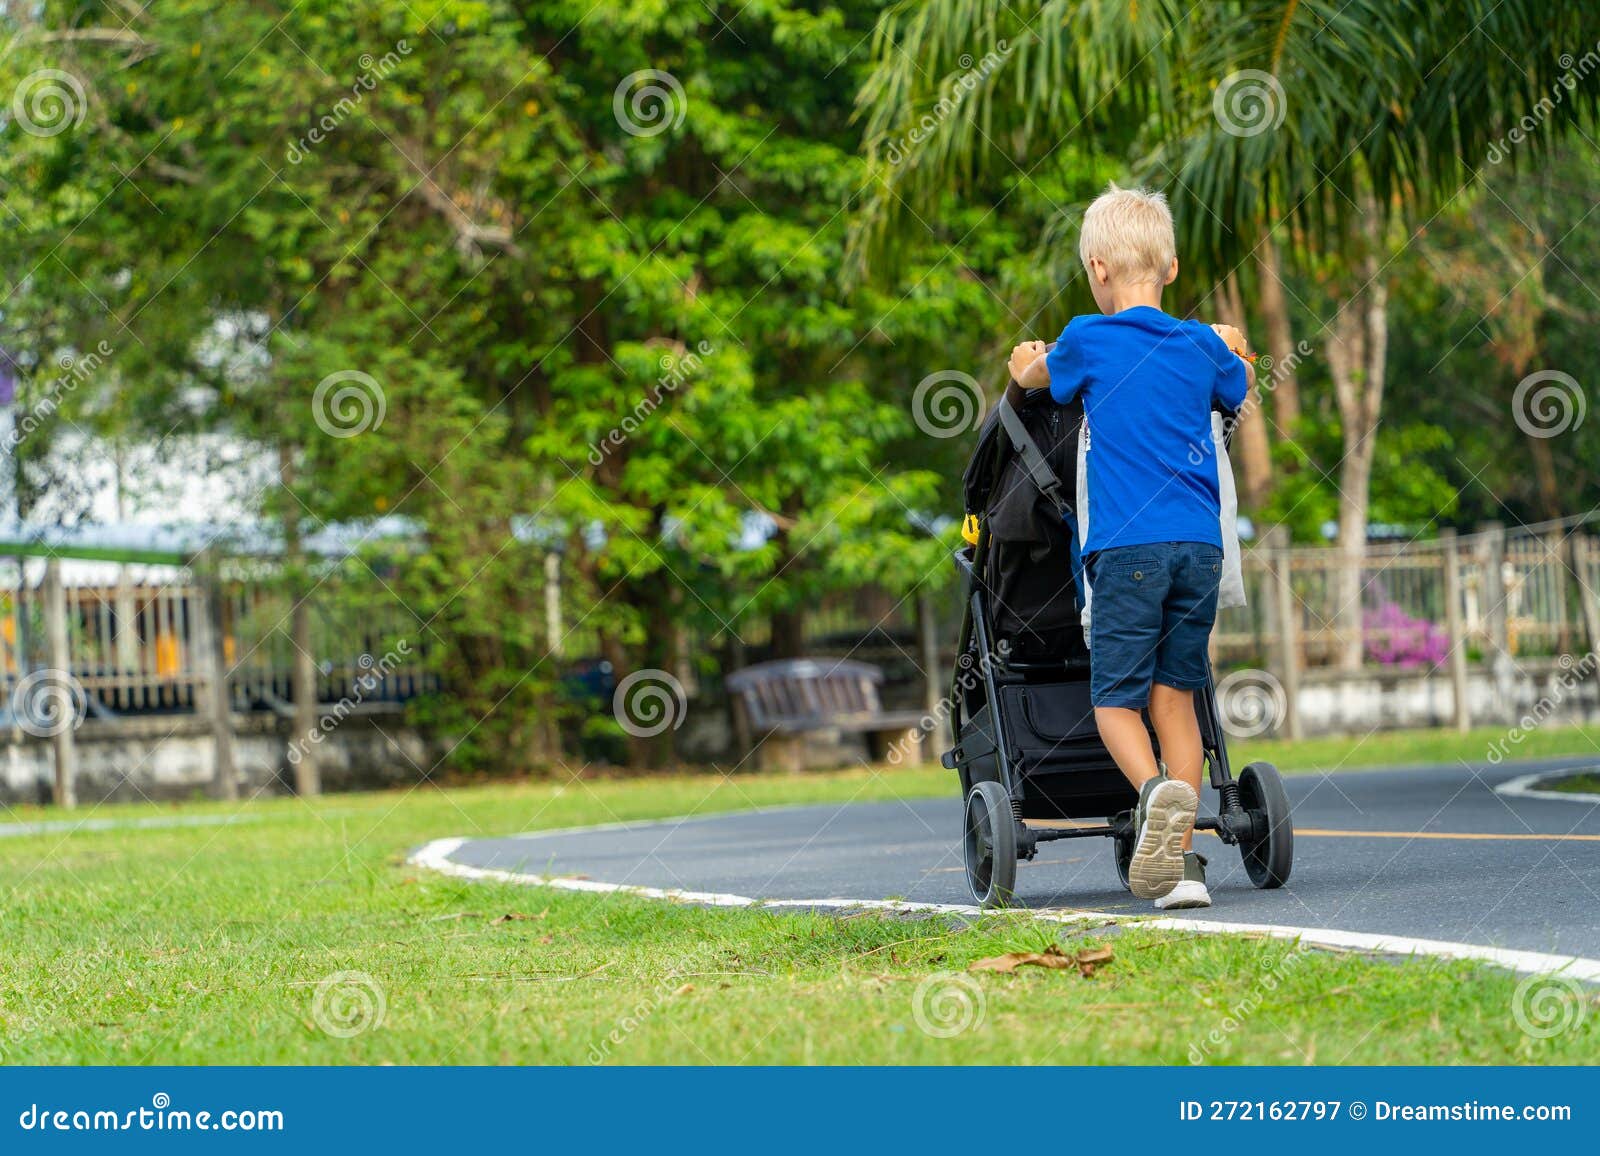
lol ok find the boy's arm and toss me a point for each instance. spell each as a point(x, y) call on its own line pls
point(1028, 367)
point(1237, 375)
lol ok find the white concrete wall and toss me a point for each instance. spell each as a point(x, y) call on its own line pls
point(171, 758)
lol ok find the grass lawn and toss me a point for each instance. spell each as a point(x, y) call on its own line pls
point(1403, 748)
point(278, 937)
point(1582, 783)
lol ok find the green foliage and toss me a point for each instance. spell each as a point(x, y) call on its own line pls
point(512, 254)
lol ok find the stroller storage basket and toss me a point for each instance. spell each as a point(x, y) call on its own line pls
point(1056, 754)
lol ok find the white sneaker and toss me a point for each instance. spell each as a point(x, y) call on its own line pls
point(1165, 815)
point(1191, 891)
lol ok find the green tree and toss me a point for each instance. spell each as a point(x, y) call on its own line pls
point(1342, 125)
point(433, 256)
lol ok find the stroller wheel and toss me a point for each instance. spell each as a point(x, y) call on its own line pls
point(1122, 850)
point(990, 846)
point(1268, 859)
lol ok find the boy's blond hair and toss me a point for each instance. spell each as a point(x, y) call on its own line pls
point(1131, 231)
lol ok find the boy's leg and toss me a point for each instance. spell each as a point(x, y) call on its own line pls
point(1130, 588)
point(1182, 666)
point(1178, 731)
point(1122, 730)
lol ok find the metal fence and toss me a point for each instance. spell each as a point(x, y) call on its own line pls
point(140, 639)
point(1525, 595)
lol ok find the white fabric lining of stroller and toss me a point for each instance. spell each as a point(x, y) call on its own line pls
point(1231, 591)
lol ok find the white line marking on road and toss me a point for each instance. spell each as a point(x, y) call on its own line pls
point(1522, 787)
point(435, 856)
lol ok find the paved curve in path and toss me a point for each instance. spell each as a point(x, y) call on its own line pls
point(1432, 852)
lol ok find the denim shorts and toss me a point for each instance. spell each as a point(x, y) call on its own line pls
point(1152, 612)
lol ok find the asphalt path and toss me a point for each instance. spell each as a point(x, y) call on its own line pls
point(1428, 852)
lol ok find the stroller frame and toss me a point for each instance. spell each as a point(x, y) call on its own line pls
point(1002, 792)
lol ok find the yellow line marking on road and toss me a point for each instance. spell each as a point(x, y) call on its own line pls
point(1327, 833)
point(1521, 835)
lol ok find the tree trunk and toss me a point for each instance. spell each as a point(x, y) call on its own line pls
point(1544, 471)
point(303, 678)
point(1251, 448)
point(788, 632)
point(1274, 305)
point(1357, 354)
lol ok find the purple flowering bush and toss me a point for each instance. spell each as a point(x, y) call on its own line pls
point(1395, 638)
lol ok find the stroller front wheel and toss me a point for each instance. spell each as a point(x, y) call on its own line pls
point(1267, 859)
point(990, 846)
point(1122, 849)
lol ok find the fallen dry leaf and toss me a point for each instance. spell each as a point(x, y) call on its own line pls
point(510, 915)
point(685, 989)
point(1091, 959)
point(1051, 958)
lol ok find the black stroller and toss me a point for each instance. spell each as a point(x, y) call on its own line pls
point(1026, 745)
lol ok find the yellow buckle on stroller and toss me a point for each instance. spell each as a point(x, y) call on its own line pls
point(969, 530)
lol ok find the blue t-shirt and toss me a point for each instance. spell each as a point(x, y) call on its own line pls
point(1148, 382)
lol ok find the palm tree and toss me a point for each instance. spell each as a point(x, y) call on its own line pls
point(1328, 127)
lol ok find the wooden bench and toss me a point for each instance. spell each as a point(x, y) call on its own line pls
point(778, 703)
